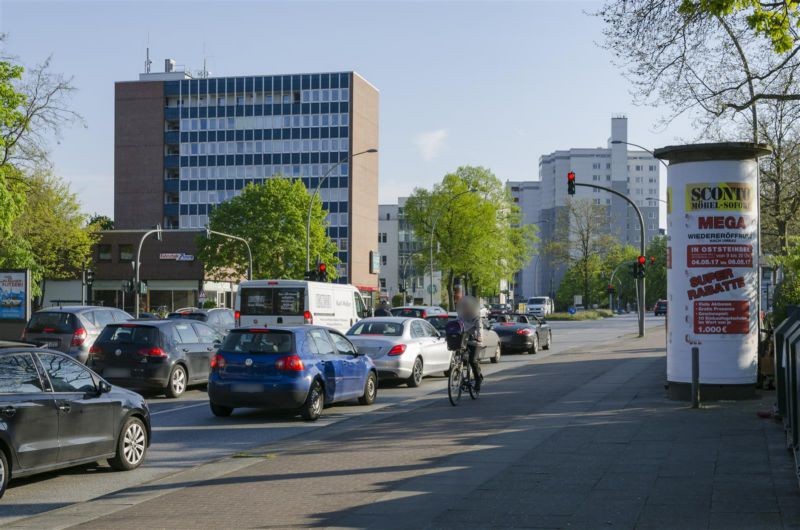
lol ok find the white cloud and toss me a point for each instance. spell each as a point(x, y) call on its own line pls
point(430, 143)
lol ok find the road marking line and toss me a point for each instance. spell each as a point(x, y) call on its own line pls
point(179, 408)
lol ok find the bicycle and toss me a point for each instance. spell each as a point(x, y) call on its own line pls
point(460, 378)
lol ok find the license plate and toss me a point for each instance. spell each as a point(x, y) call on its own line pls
point(52, 344)
point(247, 388)
point(116, 372)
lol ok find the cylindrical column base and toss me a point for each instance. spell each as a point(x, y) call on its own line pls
point(683, 392)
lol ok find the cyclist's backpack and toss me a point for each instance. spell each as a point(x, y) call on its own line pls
point(455, 335)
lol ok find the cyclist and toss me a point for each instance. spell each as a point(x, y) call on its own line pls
point(469, 314)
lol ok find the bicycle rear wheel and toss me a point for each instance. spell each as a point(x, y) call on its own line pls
point(454, 385)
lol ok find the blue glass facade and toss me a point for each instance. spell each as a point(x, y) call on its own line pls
point(224, 133)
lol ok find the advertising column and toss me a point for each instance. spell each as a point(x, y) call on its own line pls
point(712, 267)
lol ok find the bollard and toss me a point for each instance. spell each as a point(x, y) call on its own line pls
point(695, 377)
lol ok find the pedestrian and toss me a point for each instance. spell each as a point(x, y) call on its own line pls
point(383, 310)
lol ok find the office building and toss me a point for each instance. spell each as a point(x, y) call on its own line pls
point(182, 145)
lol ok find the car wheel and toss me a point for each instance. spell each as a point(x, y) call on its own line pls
point(177, 382)
point(496, 358)
point(220, 410)
point(4, 472)
point(549, 341)
point(312, 408)
point(535, 346)
point(370, 390)
point(416, 374)
point(131, 446)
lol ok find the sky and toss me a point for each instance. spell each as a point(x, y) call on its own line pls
point(495, 84)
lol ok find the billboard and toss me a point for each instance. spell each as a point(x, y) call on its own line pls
point(15, 291)
point(712, 268)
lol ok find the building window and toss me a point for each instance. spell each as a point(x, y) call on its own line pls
point(104, 253)
point(125, 253)
point(596, 165)
point(382, 237)
point(383, 283)
point(388, 216)
point(383, 260)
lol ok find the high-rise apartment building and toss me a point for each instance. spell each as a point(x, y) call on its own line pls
point(632, 172)
point(184, 145)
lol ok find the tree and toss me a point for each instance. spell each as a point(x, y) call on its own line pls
point(272, 218)
point(477, 236)
point(787, 291)
point(656, 271)
point(703, 58)
point(55, 229)
point(581, 233)
point(103, 222)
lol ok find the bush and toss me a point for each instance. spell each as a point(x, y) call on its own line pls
point(786, 293)
point(397, 300)
point(580, 315)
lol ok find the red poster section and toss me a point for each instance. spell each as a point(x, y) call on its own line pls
point(722, 316)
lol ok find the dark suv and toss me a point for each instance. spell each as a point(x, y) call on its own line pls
point(660, 308)
point(166, 356)
point(220, 318)
point(56, 413)
point(71, 329)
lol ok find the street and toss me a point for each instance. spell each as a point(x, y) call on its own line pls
point(185, 434)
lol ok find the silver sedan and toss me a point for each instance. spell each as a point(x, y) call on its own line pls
point(401, 348)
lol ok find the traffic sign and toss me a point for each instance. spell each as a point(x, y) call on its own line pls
point(201, 297)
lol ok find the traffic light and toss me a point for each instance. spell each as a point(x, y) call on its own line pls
point(610, 289)
point(652, 260)
point(322, 272)
point(88, 277)
point(640, 263)
point(571, 183)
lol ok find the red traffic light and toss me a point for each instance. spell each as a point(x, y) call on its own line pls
point(571, 176)
point(652, 260)
point(642, 260)
point(322, 267)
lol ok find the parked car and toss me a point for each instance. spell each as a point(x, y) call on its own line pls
point(219, 318)
point(294, 367)
point(524, 333)
point(159, 355)
point(417, 311)
point(71, 329)
point(496, 310)
point(57, 413)
point(660, 308)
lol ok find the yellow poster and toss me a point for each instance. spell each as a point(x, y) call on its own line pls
point(722, 196)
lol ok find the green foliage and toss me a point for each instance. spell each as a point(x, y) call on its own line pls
point(787, 292)
point(397, 300)
point(656, 286)
point(272, 218)
point(102, 222)
point(476, 233)
point(11, 102)
point(775, 21)
point(589, 314)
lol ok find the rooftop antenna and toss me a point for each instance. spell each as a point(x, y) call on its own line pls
point(147, 61)
point(204, 71)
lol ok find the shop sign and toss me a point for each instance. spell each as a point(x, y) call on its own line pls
point(175, 256)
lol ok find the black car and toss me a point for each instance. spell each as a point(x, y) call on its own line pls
point(57, 413)
point(523, 333)
point(220, 318)
point(660, 308)
point(496, 310)
point(165, 356)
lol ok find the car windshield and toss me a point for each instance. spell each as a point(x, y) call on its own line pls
point(141, 335)
point(538, 301)
point(259, 341)
point(407, 312)
point(387, 329)
point(201, 317)
point(52, 322)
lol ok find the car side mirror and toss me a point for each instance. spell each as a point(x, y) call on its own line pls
point(104, 387)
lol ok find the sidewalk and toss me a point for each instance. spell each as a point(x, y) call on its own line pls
point(576, 440)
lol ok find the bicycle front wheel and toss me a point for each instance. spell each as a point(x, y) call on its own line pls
point(470, 383)
point(454, 385)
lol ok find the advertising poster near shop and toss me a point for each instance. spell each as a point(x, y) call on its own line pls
point(712, 265)
point(14, 295)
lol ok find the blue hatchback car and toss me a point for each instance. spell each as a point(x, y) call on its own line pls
point(289, 368)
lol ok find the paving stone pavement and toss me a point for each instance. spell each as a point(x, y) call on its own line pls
point(584, 439)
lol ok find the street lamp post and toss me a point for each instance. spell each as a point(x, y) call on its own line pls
point(433, 232)
point(316, 192)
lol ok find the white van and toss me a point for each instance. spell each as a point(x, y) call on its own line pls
point(540, 306)
point(296, 302)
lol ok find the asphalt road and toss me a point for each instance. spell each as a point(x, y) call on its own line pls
point(186, 434)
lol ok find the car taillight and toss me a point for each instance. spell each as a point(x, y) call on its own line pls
point(397, 349)
point(424, 314)
point(152, 352)
point(524, 331)
point(95, 349)
point(79, 337)
point(308, 318)
point(217, 362)
point(290, 363)
point(48, 330)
